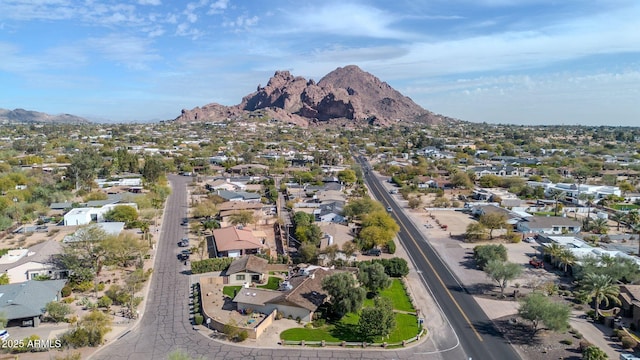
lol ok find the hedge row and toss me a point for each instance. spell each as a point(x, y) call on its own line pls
point(209, 265)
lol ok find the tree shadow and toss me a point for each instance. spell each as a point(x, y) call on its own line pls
point(345, 332)
point(469, 262)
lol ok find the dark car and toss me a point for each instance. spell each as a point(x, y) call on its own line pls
point(374, 252)
point(184, 255)
point(185, 221)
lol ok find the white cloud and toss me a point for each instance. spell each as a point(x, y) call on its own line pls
point(133, 52)
point(150, 2)
point(218, 6)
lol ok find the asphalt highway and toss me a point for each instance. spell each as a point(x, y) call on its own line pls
point(478, 336)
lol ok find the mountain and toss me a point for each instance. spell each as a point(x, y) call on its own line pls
point(28, 116)
point(345, 94)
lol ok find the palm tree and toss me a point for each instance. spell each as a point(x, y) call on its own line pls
point(618, 217)
point(556, 195)
point(566, 258)
point(633, 218)
point(554, 250)
point(589, 201)
point(600, 288)
point(600, 226)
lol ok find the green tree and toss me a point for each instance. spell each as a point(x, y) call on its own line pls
point(502, 272)
point(493, 221)
point(373, 277)
point(153, 169)
point(601, 289)
point(347, 176)
point(600, 226)
point(122, 213)
point(482, 254)
point(475, 232)
point(57, 311)
point(461, 180)
point(539, 309)
point(97, 324)
point(84, 168)
point(553, 251)
point(378, 320)
point(378, 228)
point(242, 217)
point(308, 252)
point(345, 295)
point(358, 208)
point(4, 279)
point(594, 353)
point(85, 255)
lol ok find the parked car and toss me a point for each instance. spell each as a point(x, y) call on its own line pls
point(4, 334)
point(184, 242)
point(184, 255)
point(538, 264)
point(530, 240)
point(389, 209)
point(374, 252)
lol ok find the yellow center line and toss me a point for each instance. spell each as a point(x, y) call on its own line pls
point(464, 315)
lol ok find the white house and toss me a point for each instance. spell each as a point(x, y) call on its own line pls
point(25, 264)
point(86, 215)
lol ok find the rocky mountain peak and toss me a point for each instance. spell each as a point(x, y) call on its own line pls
point(347, 93)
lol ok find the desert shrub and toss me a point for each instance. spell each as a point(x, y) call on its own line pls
point(198, 319)
point(242, 336)
point(583, 345)
point(628, 342)
point(391, 247)
point(100, 287)
point(105, 302)
point(66, 291)
point(83, 286)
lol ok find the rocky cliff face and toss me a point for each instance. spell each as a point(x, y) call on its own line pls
point(344, 94)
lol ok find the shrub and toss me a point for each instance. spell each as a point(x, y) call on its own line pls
point(66, 291)
point(391, 247)
point(583, 345)
point(278, 315)
point(83, 286)
point(298, 320)
point(105, 302)
point(209, 265)
point(319, 323)
point(242, 336)
point(100, 287)
point(566, 341)
point(198, 319)
point(628, 342)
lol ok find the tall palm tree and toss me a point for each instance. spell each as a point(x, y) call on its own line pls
point(618, 217)
point(566, 258)
point(601, 288)
point(556, 195)
point(633, 218)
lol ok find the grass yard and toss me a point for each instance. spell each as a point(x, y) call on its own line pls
point(397, 295)
point(625, 207)
point(272, 284)
point(230, 291)
point(406, 328)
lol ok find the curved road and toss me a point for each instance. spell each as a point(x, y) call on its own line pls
point(165, 325)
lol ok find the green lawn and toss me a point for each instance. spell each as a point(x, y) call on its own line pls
point(230, 291)
point(397, 295)
point(344, 330)
point(272, 284)
point(625, 207)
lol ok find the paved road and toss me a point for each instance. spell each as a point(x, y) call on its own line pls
point(478, 335)
point(165, 325)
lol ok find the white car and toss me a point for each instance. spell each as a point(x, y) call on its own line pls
point(530, 240)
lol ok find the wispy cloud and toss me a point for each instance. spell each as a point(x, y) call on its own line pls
point(150, 2)
point(132, 52)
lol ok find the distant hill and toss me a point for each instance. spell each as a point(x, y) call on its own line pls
point(29, 116)
point(345, 94)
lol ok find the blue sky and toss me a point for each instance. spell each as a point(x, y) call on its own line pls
point(498, 61)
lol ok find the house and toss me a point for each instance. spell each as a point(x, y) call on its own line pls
point(239, 196)
point(25, 264)
point(630, 302)
point(86, 215)
point(300, 296)
point(23, 303)
point(330, 212)
point(500, 170)
point(111, 228)
point(512, 218)
point(234, 242)
point(549, 225)
point(246, 270)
